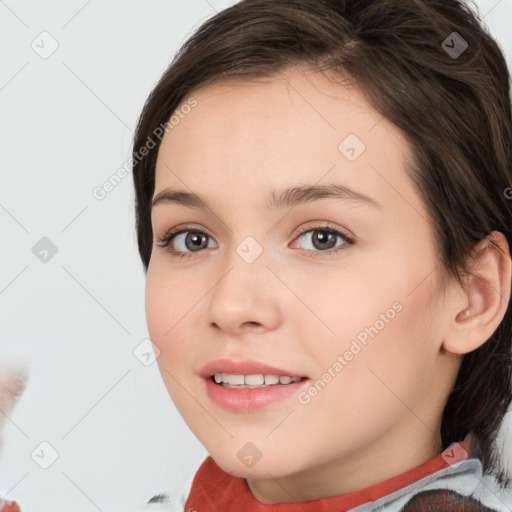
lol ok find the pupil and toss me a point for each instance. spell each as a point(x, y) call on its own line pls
point(323, 236)
point(196, 239)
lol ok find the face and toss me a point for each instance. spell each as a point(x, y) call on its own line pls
point(333, 282)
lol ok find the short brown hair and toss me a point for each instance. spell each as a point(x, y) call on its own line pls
point(453, 109)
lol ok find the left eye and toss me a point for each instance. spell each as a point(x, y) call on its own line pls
point(323, 240)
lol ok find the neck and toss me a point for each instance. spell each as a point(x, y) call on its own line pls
point(374, 463)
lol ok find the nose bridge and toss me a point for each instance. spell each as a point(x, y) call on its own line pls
point(242, 294)
point(245, 269)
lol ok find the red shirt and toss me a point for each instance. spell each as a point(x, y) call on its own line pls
point(214, 489)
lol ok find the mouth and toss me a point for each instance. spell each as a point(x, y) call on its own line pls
point(248, 386)
point(248, 372)
point(254, 381)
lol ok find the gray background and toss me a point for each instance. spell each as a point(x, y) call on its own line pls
point(66, 126)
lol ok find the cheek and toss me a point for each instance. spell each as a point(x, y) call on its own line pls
point(157, 310)
point(377, 318)
point(166, 311)
point(167, 305)
point(168, 300)
point(360, 387)
point(393, 350)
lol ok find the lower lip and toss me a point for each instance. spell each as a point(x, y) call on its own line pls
point(248, 400)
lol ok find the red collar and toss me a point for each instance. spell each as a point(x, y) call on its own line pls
point(214, 489)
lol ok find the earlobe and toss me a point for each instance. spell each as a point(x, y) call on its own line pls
point(487, 293)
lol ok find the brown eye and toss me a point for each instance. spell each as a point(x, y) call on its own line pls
point(322, 239)
point(193, 240)
point(185, 242)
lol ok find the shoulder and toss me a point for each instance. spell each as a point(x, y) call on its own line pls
point(467, 490)
point(492, 494)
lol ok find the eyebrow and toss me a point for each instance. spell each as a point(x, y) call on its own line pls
point(288, 197)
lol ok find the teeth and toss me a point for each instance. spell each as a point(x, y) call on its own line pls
point(271, 379)
point(236, 380)
point(258, 380)
point(251, 380)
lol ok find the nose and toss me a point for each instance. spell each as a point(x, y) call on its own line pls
point(245, 298)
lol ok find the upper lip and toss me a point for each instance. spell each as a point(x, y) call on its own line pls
point(245, 367)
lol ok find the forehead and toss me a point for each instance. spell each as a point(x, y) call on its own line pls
point(292, 128)
point(294, 102)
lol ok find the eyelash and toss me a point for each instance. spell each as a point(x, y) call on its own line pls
point(165, 240)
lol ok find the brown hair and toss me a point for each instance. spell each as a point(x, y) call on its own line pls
point(454, 110)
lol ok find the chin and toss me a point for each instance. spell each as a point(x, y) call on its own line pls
point(275, 466)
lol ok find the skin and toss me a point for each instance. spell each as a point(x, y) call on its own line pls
point(380, 416)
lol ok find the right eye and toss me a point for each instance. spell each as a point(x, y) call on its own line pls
point(184, 241)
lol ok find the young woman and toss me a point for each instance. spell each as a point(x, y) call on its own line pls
point(325, 219)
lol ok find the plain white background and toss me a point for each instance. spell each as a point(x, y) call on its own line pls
point(67, 119)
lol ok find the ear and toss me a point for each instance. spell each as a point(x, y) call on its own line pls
point(486, 296)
